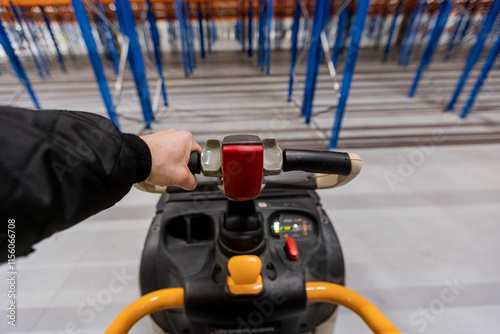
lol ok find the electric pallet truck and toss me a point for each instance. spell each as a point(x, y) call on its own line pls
point(251, 249)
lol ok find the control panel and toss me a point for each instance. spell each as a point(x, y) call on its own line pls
point(292, 225)
point(189, 244)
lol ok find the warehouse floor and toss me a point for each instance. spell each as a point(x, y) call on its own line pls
point(419, 226)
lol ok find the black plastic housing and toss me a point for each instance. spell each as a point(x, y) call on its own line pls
point(175, 255)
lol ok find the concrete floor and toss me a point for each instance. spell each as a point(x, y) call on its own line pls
point(419, 226)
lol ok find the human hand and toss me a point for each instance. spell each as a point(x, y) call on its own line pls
point(170, 151)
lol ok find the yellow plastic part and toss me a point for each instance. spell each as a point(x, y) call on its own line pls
point(147, 304)
point(337, 294)
point(244, 275)
point(316, 292)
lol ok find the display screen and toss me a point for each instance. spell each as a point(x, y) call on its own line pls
point(292, 225)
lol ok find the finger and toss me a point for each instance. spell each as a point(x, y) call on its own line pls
point(189, 180)
point(195, 146)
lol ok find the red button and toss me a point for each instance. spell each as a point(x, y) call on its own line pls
point(242, 170)
point(291, 249)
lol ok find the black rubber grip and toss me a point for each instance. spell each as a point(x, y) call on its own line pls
point(194, 163)
point(326, 162)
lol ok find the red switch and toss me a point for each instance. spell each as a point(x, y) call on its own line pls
point(291, 249)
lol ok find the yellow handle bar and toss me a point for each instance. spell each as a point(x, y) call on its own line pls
point(337, 294)
point(147, 304)
point(316, 292)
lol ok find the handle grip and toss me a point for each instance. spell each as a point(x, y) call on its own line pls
point(326, 162)
point(316, 292)
point(194, 163)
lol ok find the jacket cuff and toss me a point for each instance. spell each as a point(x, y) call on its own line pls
point(142, 154)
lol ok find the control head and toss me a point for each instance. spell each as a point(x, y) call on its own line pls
point(243, 163)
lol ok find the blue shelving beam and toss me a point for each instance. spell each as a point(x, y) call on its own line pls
point(408, 47)
point(214, 32)
point(136, 62)
point(14, 34)
point(65, 32)
point(107, 36)
point(348, 28)
point(262, 20)
point(49, 28)
point(380, 30)
point(243, 37)
point(266, 9)
point(370, 28)
point(468, 24)
point(202, 39)
point(444, 12)
point(237, 30)
point(320, 19)
point(157, 49)
point(293, 51)
point(43, 63)
point(407, 36)
point(172, 35)
point(41, 72)
point(337, 47)
point(352, 56)
point(490, 60)
point(189, 56)
point(455, 32)
point(183, 35)
point(391, 30)
point(95, 60)
point(210, 40)
point(250, 33)
point(475, 52)
point(269, 19)
point(414, 23)
point(16, 64)
point(189, 35)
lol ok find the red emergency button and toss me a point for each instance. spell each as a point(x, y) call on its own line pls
point(291, 249)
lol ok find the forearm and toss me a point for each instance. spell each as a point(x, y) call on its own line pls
point(60, 167)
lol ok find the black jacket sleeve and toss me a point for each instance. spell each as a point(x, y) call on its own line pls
point(58, 168)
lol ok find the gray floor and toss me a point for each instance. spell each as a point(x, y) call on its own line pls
point(419, 226)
